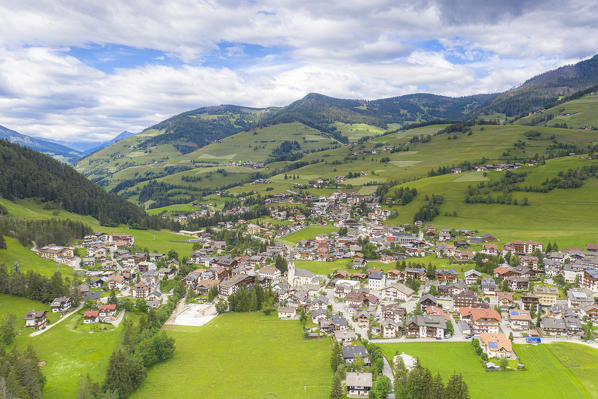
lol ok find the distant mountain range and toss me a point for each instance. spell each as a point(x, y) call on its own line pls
point(121, 136)
point(59, 151)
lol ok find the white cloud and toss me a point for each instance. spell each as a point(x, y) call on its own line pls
point(348, 48)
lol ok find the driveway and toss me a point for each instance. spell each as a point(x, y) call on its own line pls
point(38, 332)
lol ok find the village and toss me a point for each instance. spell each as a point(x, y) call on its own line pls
point(477, 290)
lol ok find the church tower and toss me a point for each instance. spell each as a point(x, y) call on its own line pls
point(291, 268)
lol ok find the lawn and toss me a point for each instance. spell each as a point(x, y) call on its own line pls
point(19, 307)
point(324, 268)
point(545, 376)
point(70, 352)
point(28, 260)
point(309, 232)
point(242, 355)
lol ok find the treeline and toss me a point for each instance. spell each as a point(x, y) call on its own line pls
point(253, 213)
point(25, 173)
point(20, 374)
point(34, 286)
point(251, 300)
point(404, 195)
point(43, 232)
point(430, 209)
point(420, 384)
point(143, 346)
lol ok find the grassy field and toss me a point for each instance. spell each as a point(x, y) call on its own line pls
point(545, 376)
point(577, 114)
point(161, 241)
point(309, 232)
point(324, 268)
point(243, 355)
point(564, 215)
point(28, 260)
point(19, 307)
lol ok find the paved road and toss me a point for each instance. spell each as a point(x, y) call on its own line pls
point(38, 332)
point(387, 371)
point(119, 318)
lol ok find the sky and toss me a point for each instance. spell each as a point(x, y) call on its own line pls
point(83, 70)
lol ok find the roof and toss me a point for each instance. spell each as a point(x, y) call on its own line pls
point(479, 313)
point(303, 272)
point(108, 307)
point(286, 309)
point(91, 313)
point(359, 379)
point(496, 342)
point(518, 314)
point(401, 288)
point(34, 314)
point(428, 321)
point(349, 352)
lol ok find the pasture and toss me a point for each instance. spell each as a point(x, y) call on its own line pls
point(242, 355)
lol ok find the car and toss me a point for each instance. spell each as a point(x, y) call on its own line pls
point(438, 339)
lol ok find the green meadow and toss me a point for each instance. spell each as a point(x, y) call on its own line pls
point(545, 375)
point(576, 114)
point(242, 355)
point(564, 215)
point(10, 304)
point(309, 232)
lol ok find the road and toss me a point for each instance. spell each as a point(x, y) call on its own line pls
point(38, 332)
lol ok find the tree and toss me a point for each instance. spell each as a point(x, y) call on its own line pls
point(589, 334)
point(8, 331)
point(343, 231)
point(334, 359)
point(357, 364)
point(456, 388)
point(303, 318)
point(212, 293)
point(125, 373)
point(337, 389)
point(401, 374)
point(437, 387)
point(504, 363)
point(449, 328)
point(112, 299)
point(221, 306)
point(141, 305)
point(281, 264)
point(57, 288)
point(172, 254)
point(433, 290)
point(87, 389)
point(2, 242)
point(381, 388)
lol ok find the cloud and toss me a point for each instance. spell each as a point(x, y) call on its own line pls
point(261, 53)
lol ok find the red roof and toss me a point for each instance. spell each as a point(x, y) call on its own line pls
point(479, 313)
point(91, 313)
point(108, 307)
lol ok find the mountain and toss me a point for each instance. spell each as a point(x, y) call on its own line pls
point(544, 89)
point(121, 136)
point(55, 150)
point(26, 173)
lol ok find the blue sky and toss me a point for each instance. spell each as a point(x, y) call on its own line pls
point(87, 71)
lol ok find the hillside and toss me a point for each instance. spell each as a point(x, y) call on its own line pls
point(121, 136)
point(544, 89)
point(26, 173)
point(47, 147)
point(580, 113)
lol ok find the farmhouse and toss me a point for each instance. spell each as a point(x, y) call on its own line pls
point(471, 276)
point(106, 313)
point(547, 295)
point(390, 329)
point(358, 384)
point(286, 313)
point(91, 316)
point(345, 337)
point(482, 320)
point(425, 326)
point(61, 304)
point(350, 352)
point(520, 319)
point(397, 291)
point(36, 319)
point(497, 345)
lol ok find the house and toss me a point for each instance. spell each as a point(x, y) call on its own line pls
point(463, 299)
point(61, 304)
point(530, 302)
point(504, 299)
point(425, 326)
point(496, 345)
point(416, 273)
point(376, 280)
point(106, 313)
point(339, 323)
point(520, 319)
point(141, 290)
point(590, 279)
point(472, 276)
point(393, 312)
point(36, 319)
point(317, 314)
point(427, 300)
point(464, 327)
point(524, 247)
point(553, 326)
point(397, 292)
point(578, 298)
point(91, 316)
point(482, 320)
point(591, 312)
point(518, 283)
point(231, 285)
point(93, 296)
point(489, 286)
point(490, 249)
point(358, 384)
point(436, 311)
point(390, 329)
point(346, 337)
point(362, 318)
point(116, 282)
point(547, 295)
point(350, 352)
point(269, 272)
point(285, 312)
point(447, 275)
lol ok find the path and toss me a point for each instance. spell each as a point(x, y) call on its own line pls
point(387, 371)
point(38, 332)
point(119, 318)
point(180, 307)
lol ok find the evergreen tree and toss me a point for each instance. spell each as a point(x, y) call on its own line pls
point(437, 388)
point(2, 242)
point(8, 330)
point(112, 299)
point(456, 388)
point(125, 373)
point(334, 357)
point(87, 389)
point(337, 389)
